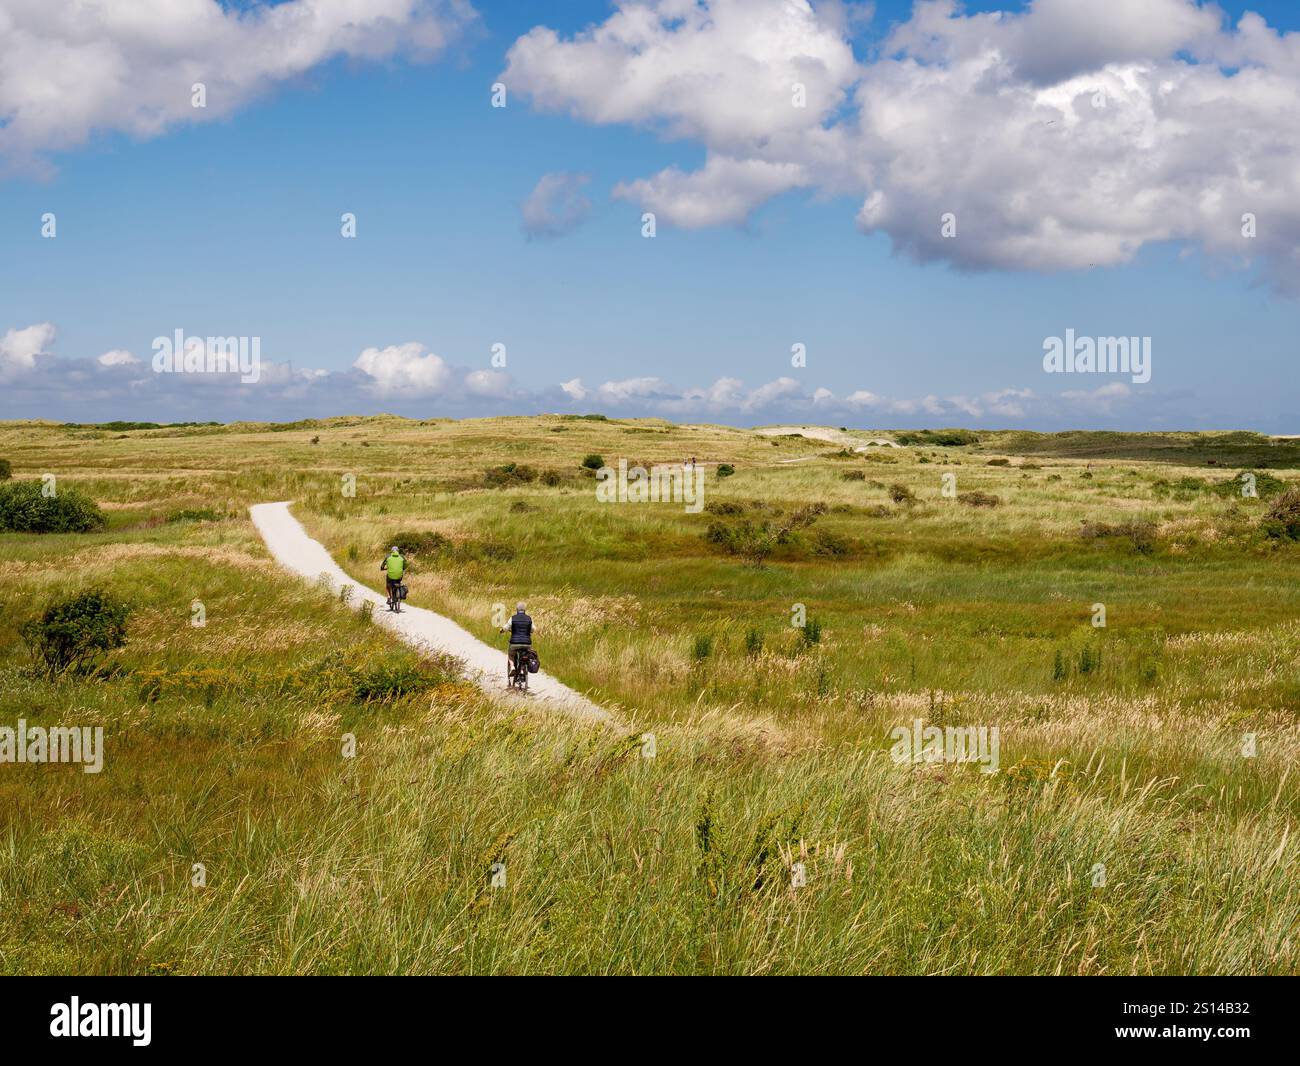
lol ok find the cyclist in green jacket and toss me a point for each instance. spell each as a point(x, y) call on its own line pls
point(394, 568)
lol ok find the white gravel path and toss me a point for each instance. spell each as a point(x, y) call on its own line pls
point(293, 549)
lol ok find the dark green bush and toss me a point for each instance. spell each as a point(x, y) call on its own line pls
point(419, 543)
point(25, 509)
point(390, 679)
point(429, 544)
point(1141, 533)
point(6, 470)
point(593, 462)
point(978, 499)
point(1283, 516)
point(944, 438)
point(195, 514)
point(509, 474)
point(726, 470)
point(901, 494)
point(72, 631)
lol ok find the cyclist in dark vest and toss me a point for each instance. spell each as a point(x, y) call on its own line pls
point(521, 636)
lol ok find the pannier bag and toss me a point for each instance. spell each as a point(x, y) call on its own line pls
point(401, 592)
point(534, 663)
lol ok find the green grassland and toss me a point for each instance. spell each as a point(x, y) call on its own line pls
point(1121, 746)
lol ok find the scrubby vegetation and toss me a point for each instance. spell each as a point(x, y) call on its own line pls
point(72, 631)
point(1133, 635)
point(28, 507)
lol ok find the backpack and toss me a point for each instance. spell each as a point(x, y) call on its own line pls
point(534, 663)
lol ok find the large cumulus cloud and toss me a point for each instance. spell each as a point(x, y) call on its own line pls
point(72, 68)
point(1067, 135)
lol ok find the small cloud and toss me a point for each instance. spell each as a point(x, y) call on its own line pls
point(117, 357)
point(20, 347)
point(556, 206)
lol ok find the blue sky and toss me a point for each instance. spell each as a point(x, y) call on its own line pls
point(230, 227)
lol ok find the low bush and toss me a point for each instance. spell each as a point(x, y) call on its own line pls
point(1282, 519)
point(195, 514)
point(943, 438)
point(24, 508)
point(390, 679)
point(1141, 533)
point(428, 544)
point(425, 542)
point(979, 499)
point(496, 477)
point(72, 631)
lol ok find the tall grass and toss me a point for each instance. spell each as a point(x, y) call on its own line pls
point(1127, 830)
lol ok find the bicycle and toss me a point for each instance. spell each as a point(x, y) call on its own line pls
point(395, 597)
point(517, 668)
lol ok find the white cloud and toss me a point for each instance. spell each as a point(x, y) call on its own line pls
point(117, 357)
point(488, 383)
point(409, 379)
point(1063, 136)
point(19, 348)
point(574, 389)
point(722, 72)
point(71, 68)
point(404, 370)
point(724, 191)
point(556, 206)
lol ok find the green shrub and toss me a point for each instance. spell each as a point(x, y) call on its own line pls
point(854, 475)
point(1266, 485)
point(826, 543)
point(702, 648)
point(753, 642)
point(195, 514)
point(6, 470)
point(812, 631)
point(25, 509)
point(1140, 532)
point(509, 474)
point(943, 438)
point(388, 679)
point(419, 543)
point(593, 462)
point(978, 499)
point(726, 470)
point(72, 631)
point(429, 544)
point(901, 494)
point(1283, 516)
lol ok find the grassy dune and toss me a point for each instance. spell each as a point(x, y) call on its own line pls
point(1121, 746)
